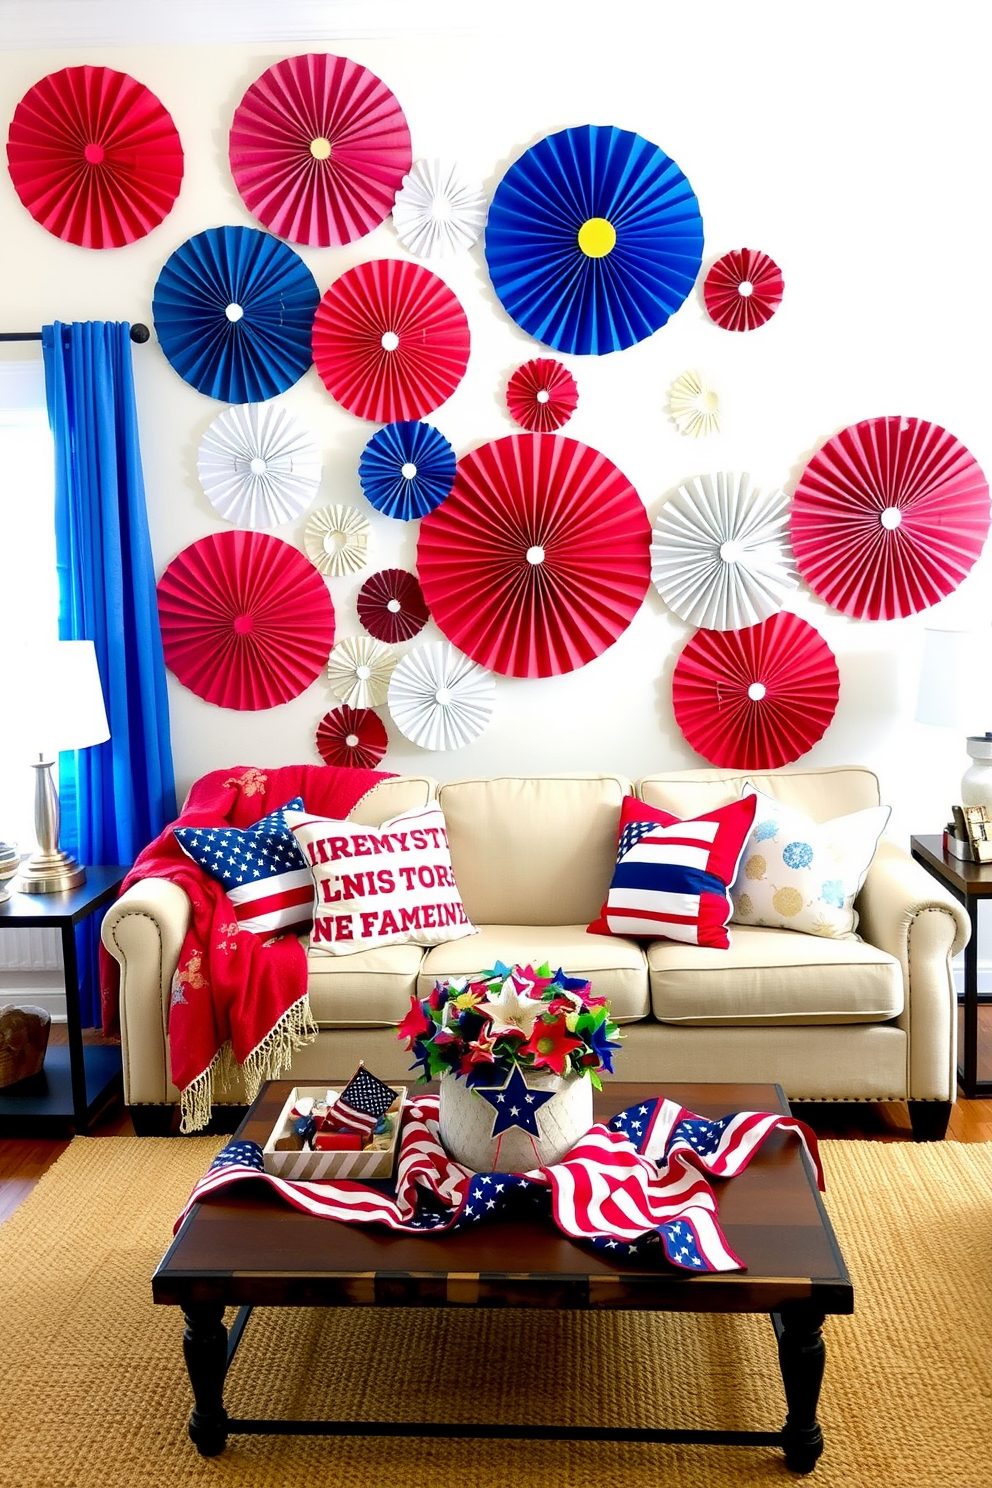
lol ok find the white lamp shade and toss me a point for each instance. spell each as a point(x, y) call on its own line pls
point(57, 695)
point(956, 679)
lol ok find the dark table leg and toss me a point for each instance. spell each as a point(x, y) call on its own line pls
point(205, 1348)
point(77, 1059)
point(801, 1356)
point(969, 1075)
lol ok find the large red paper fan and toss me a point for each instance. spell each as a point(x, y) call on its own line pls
point(355, 737)
point(390, 340)
point(94, 156)
point(889, 517)
point(759, 698)
point(319, 147)
point(391, 606)
point(539, 559)
point(247, 621)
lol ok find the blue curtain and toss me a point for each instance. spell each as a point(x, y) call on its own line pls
point(114, 797)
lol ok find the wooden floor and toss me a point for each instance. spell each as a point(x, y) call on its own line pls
point(24, 1160)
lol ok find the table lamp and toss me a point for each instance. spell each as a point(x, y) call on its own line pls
point(58, 704)
point(956, 692)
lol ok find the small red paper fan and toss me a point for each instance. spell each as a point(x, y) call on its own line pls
point(539, 558)
point(889, 517)
point(743, 289)
point(319, 147)
point(391, 605)
point(542, 395)
point(758, 698)
point(355, 737)
point(247, 621)
point(390, 340)
point(94, 156)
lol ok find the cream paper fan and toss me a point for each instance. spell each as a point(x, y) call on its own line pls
point(359, 670)
point(440, 699)
point(438, 212)
point(694, 405)
point(338, 540)
point(258, 465)
point(720, 556)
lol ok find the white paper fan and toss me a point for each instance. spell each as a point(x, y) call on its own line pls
point(694, 405)
point(437, 211)
point(338, 539)
point(720, 556)
point(258, 465)
point(440, 699)
point(359, 670)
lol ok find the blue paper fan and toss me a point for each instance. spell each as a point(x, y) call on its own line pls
point(233, 308)
point(407, 469)
point(594, 239)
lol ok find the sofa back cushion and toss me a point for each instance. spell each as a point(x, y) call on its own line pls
point(822, 794)
point(390, 798)
point(533, 850)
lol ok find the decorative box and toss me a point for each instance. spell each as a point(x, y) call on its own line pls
point(309, 1165)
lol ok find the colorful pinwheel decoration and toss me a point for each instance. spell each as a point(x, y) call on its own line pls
point(743, 289)
point(353, 737)
point(541, 395)
point(407, 469)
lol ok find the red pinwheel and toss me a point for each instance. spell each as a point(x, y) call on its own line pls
point(539, 559)
point(94, 156)
point(889, 517)
point(391, 605)
point(541, 395)
point(743, 289)
point(390, 340)
point(758, 698)
point(247, 622)
point(319, 147)
point(355, 737)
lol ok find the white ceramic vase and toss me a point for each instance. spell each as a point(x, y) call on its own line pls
point(466, 1123)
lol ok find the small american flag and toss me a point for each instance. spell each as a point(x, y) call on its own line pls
point(362, 1101)
point(267, 878)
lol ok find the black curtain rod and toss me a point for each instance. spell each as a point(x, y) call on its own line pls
point(139, 333)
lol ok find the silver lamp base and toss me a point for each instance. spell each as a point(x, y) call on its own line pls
point(49, 870)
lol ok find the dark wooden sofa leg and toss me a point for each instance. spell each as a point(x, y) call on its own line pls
point(929, 1120)
point(152, 1121)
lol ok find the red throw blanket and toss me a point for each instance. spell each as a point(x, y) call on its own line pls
point(237, 998)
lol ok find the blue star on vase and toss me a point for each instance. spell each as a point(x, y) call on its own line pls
point(515, 1103)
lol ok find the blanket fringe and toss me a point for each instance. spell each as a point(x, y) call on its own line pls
point(267, 1061)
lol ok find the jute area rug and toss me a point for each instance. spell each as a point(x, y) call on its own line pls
point(93, 1390)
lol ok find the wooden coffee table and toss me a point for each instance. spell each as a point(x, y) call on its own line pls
point(249, 1249)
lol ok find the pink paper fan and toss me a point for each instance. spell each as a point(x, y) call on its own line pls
point(889, 517)
point(355, 737)
point(743, 289)
point(391, 606)
point(247, 621)
point(758, 698)
point(319, 147)
point(390, 340)
point(94, 156)
point(539, 559)
point(542, 395)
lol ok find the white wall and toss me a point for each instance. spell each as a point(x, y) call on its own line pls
point(849, 142)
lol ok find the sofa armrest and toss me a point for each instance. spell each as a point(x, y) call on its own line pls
point(144, 931)
point(906, 912)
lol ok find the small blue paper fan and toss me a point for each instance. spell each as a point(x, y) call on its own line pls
point(594, 239)
point(407, 469)
point(233, 309)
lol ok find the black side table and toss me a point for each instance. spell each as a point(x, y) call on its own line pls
point(968, 882)
point(77, 1080)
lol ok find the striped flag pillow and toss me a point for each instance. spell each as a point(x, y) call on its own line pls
point(267, 878)
point(672, 878)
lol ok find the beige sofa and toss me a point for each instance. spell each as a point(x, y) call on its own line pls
point(853, 1020)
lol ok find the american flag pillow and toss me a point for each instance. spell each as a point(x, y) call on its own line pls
point(672, 877)
point(267, 878)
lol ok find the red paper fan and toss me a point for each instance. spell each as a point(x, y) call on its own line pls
point(889, 517)
point(757, 698)
point(94, 156)
point(355, 737)
point(319, 147)
point(743, 289)
point(247, 621)
point(390, 340)
point(541, 395)
point(391, 606)
point(539, 558)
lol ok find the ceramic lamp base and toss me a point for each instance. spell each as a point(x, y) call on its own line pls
point(466, 1123)
point(976, 787)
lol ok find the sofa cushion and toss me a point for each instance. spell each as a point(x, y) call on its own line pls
point(831, 791)
point(368, 989)
point(672, 877)
point(616, 968)
point(774, 977)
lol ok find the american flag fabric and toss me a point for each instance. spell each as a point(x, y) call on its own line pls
point(262, 868)
point(637, 1186)
point(672, 877)
point(362, 1101)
